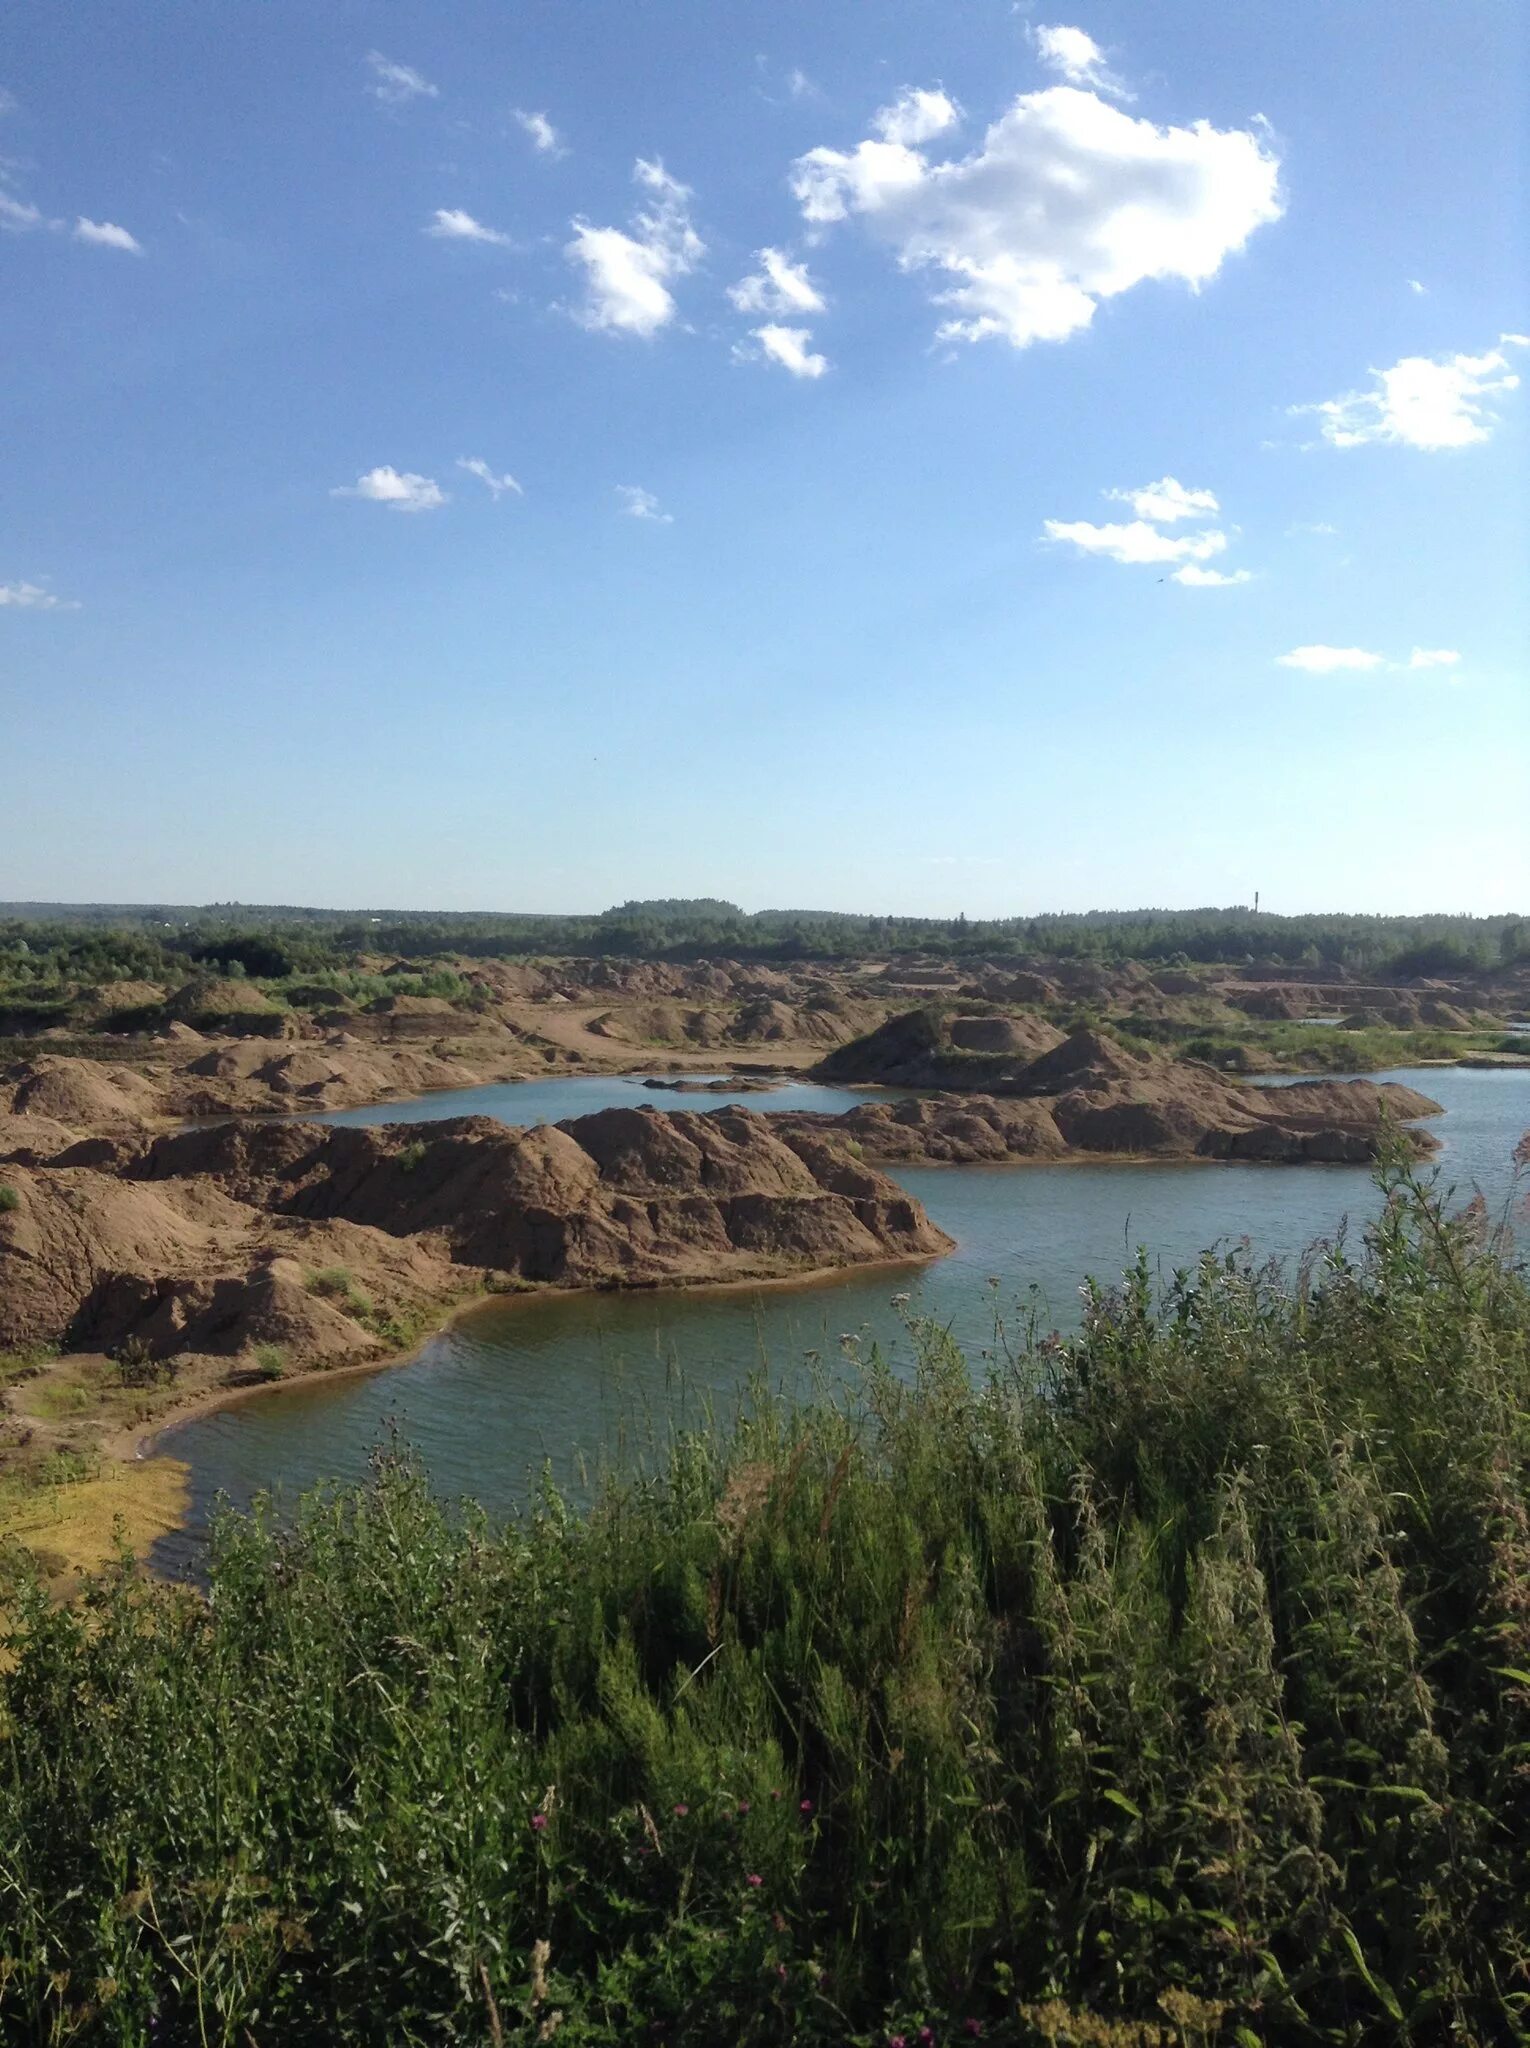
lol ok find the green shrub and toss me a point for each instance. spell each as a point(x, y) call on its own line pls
point(9, 1198)
point(269, 1361)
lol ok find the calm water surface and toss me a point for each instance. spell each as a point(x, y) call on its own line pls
point(574, 1377)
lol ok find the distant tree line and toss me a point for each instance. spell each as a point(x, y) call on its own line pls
point(48, 944)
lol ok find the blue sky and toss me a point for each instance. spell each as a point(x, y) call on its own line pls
point(1110, 489)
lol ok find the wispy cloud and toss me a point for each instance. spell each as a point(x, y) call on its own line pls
point(790, 347)
point(18, 216)
point(545, 138)
point(33, 597)
point(1322, 660)
point(1319, 660)
point(778, 286)
point(397, 84)
point(105, 234)
point(1167, 501)
point(1427, 402)
point(1196, 578)
point(399, 491)
point(1077, 59)
point(1135, 541)
point(640, 504)
point(495, 485)
point(451, 224)
point(627, 275)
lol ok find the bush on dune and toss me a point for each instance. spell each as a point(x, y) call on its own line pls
point(1170, 1685)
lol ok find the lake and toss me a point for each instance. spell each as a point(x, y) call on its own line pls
point(569, 1377)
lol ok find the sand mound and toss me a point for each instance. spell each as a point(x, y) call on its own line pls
point(1084, 1059)
point(1349, 1102)
point(628, 1195)
point(29, 1140)
point(84, 1093)
point(71, 1229)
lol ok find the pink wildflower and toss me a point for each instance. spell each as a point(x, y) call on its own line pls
point(751, 1879)
point(538, 1822)
point(806, 1806)
point(681, 1811)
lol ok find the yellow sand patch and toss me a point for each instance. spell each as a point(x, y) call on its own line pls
point(73, 1528)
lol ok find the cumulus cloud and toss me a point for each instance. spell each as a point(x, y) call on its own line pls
point(451, 224)
point(1434, 657)
point(790, 347)
point(400, 492)
point(1065, 202)
point(1428, 402)
point(105, 234)
point(1167, 500)
point(628, 275)
point(1136, 541)
point(396, 84)
point(1318, 660)
point(640, 504)
point(1196, 578)
point(32, 597)
point(545, 138)
point(1076, 57)
point(1415, 286)
point(778, 286)
point(495, 485)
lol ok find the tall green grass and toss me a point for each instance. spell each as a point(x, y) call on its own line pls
point(1169, 1684)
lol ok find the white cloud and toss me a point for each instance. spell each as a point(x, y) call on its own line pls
point(17, 215)
point(1067, 201)
point(790, 347)
point(1167, 500)
point(1136, 541)
point(1317, 526)
point(778, 286)
point(105, 234)
point(1195, 578)
point(32, 597)
point(1076, 58)
point(1428, 402)
point(396, 84)
point(496, 485)
point(640, 504)
point(544, 136)
point(800, 86)
point(917, 115)
point(1415, 286)
point(1434, 657)
point(627, 276)
point(1319, 660)
point(8, 101)
point(451, 224)
point(404, 492)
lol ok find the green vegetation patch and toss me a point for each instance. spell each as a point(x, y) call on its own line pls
point(1169, 1683)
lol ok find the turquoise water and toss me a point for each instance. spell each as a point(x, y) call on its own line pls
point(572, 1377)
